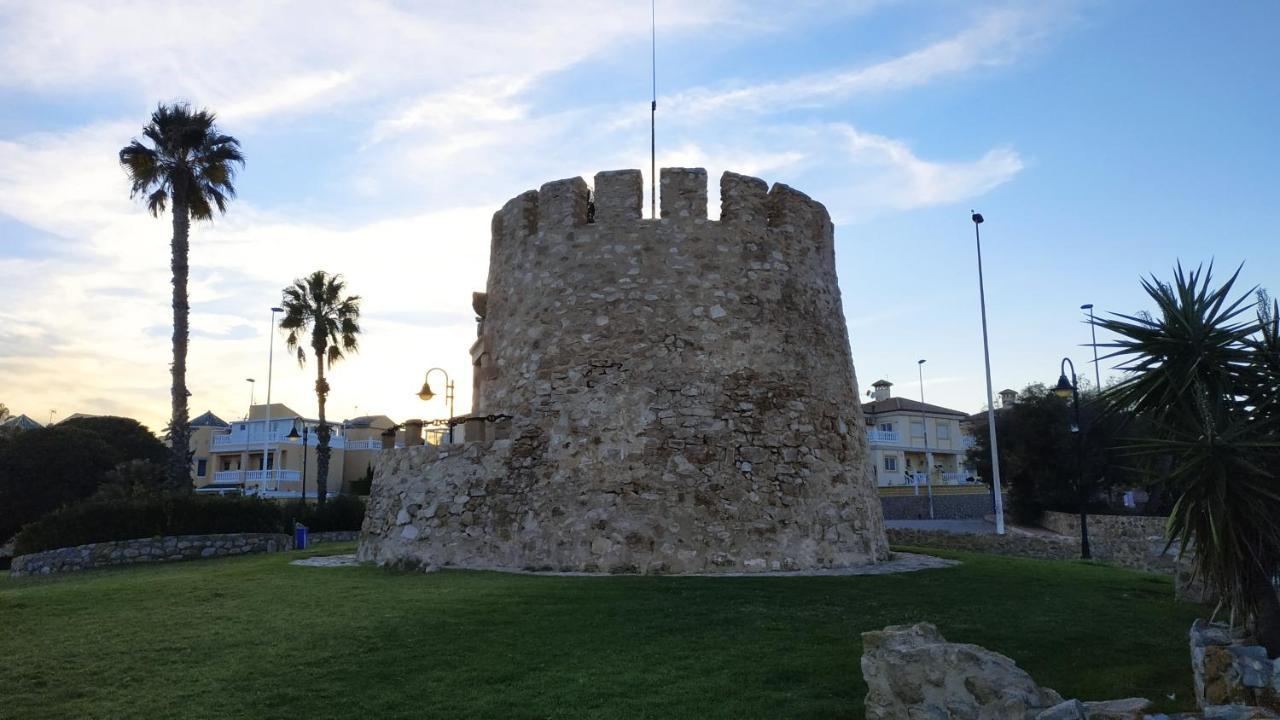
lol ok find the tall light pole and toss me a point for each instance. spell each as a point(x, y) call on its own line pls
point(266, 432)
point(251, 382)
point(1097, 374)
point(1071, 389)
point(991, 409)
point(928, 455)
point(426, 394)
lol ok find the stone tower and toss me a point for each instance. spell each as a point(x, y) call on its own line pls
point(681, 393)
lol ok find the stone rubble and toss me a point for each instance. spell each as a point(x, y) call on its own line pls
point(913, 673)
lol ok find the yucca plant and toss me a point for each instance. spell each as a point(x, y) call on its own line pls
point(1202, 373)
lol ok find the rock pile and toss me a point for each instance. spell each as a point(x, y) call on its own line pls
point(1228, 669)
point(913, 673)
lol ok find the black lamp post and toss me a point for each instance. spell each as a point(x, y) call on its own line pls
point(293, 435)
point(1071, 389)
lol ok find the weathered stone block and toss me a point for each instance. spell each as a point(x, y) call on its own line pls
point(619, 195)
point(683, 193)
point(563, 204)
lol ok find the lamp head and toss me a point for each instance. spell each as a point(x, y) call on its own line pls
point(425, 393)
point(920, 362)
point(1087, 306)
point(293, 433)
point(276, 309)
point(1064, 388)
point(977, 218)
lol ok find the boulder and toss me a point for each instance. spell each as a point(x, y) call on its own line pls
point(913, 672)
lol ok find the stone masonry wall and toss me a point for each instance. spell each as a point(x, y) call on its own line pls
point(1043, 547)
point(1133, 541)
point(142, 550)
point(681, 391)
point(945, 507)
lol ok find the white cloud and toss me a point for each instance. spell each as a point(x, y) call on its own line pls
point(996, 38)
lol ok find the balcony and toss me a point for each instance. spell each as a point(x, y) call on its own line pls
point(883, 436)
point(239, 477)
point(363, 445)
point(237, 439)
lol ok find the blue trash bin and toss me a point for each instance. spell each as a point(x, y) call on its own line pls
point(299, 536)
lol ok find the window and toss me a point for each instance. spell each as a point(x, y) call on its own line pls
point(891, 463)
point(886, 427)
point(202, 466)
point(917, 428)
point(944, 431)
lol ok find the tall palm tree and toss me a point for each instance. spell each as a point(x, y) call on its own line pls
point(315, 305)
point(1204, 374)
point(189, 165)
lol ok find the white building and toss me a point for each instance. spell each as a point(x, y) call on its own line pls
point(911, 441)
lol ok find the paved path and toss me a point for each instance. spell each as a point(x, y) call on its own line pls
point(901, 562)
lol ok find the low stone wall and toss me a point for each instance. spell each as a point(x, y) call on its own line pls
point(1044, 547)
point(143, 550)
point(333, 536)
point(945, 507)
point(1228, 669)
point(1132, 541)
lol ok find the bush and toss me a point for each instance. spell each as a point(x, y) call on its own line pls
point(107, 519)
point(344, 512)
point(1024, 500)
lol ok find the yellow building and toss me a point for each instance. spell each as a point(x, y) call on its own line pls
point(913, 443)
point(227, 457)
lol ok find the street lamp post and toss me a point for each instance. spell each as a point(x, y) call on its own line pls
point(928, 455)
point(1071, 389)
point(997, 500)
point(251, 382)
point(266, 433)
point(426, 394)
point(1097, 373)
point(293, 435)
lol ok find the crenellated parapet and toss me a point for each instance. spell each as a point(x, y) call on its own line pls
point(681, 393)
point(619, 197)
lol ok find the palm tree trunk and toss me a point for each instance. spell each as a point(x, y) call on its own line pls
point(179, 428)
point(322, 433)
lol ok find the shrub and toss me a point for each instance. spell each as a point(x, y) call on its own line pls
point(344, 512)
point(107, 519)
point(1024, 500)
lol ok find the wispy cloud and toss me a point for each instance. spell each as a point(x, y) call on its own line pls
point(996, 38)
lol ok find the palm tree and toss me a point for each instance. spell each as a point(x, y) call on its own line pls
point(315, 305)
point(190, 165)
point(1204, 374)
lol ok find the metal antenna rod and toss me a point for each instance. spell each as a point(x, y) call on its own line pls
point(653, 111)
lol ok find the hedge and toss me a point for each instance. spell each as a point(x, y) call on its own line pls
point(104, 520)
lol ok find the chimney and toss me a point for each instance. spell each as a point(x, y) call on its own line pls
point(881, 388)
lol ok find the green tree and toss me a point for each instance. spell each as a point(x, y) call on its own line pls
point(1050, 466)
point(187, 163)
point(1203, 369)
point(42, 470)
point(317, 314)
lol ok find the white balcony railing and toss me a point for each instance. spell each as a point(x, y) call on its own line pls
point(228, 476)
point(883, 436)
point(256, 476)
point(363, 445)
point(241, 438)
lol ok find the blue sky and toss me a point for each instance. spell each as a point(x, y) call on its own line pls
point(1102, 141)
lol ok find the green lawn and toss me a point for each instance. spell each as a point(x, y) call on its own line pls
point(255, 637)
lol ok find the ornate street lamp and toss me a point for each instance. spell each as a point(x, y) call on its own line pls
point(1071, 389)
point(426, 394)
